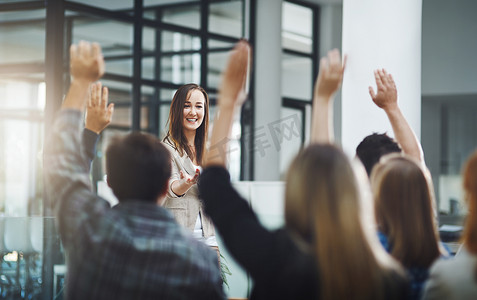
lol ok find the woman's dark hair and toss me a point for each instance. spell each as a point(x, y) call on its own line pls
point(175, 134)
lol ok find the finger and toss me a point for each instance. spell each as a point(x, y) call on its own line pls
point(345, 59)
point(385, 77)
point(182, 175)
point(84, 49)
point(89, 94)
point(334, 59)
point(105, 95)
point(372, 93)
point(110, 110)
point(93, 94)
point(197, 173)
point(391, 79)
point(96, 50)
point(73, 51)
point(323, 64)
point(377, 77)
point(97, 94)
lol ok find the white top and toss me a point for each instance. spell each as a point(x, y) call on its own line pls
point(198, 232)
point(199, 235)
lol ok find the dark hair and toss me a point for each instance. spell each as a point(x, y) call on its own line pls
point(138, 166)
point(373, 147)
point(175, 134)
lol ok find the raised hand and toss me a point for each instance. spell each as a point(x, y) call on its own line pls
point(386, 96)
point(98, 112)
point(232, 87)
point(327, 83)
point(86, 61)
point(231, 96)
point(86, 67)
point(330, 74)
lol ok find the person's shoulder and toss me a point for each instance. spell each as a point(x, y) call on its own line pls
point(170, 146)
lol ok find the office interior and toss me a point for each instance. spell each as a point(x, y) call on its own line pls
point(151, 47)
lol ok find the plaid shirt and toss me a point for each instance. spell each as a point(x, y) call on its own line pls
point(133, 251)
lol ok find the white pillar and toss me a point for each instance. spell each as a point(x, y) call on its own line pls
point(379, 34)
point(268, 65)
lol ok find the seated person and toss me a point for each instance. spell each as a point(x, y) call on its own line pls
point(403, 193)
point(323, 251)
point(374, 146)
point(135, 250)
point(456, 278)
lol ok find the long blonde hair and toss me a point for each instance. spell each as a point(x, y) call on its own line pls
point(404, 208)
point(322, 206)
point(470, 189)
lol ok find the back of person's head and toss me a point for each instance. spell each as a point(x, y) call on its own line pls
point(138, 166)
point(175, 133)
point(470, 188)
point(405, 210)
point(373, 147)
point(323, 208)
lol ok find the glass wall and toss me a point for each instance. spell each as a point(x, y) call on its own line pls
point(299, 68)
point(150, 47)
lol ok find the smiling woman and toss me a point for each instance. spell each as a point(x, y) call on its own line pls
point(186, 137)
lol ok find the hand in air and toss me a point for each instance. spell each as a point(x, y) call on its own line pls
point(98, 113)
point(386, 96)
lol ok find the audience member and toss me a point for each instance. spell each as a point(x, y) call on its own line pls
point(403, 192)
point(135, 250)
point(374, 146)
point(456, 279)
point(324, 250)
point(405, 214)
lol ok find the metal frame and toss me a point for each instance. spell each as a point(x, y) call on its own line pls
point(296, 103)
point(59, 36)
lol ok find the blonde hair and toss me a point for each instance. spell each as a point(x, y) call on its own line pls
point(470, 188)
point(322, 206)
point(405, 212)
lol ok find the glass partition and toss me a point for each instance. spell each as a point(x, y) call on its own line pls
point(22, 37)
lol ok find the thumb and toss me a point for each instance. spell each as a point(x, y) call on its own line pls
point(111, 109)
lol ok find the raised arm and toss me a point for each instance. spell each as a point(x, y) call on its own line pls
point(67, 179)
point(386, 98)
point(99, 113)
point(86, 66)
point(231, 96)
point(98, 117)
point(327, 83)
